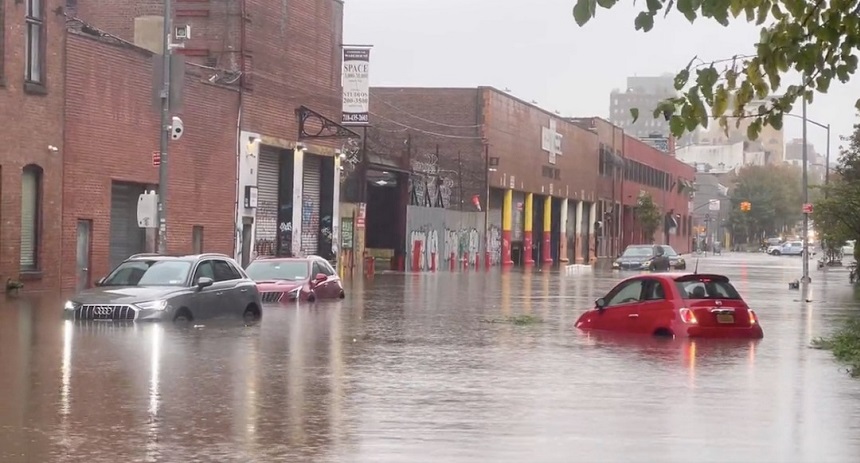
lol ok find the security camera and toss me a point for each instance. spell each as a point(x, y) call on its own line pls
point(176, 128)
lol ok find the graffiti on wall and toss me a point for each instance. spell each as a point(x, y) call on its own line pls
point(350, 159)
point(310, 227)
point(424, 241)
point(494, 244)
point(266, 231)
point(461, 242)
point(432, 186)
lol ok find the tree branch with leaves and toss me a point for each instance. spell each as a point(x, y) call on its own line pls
point(648, 214)
point(818, 39)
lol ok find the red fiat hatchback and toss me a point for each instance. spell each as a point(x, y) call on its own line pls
point(288, 279)
point(671, 304)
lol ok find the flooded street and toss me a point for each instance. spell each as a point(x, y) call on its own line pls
point(426, 368)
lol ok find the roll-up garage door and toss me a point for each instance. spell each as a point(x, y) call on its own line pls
point(126, 237)
point(311, 204)
point(266, 229)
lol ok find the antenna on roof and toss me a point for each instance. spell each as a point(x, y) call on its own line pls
point(696, 268)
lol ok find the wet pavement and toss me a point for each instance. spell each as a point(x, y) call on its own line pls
point(409, 368)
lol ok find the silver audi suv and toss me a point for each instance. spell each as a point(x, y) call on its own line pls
point(172, 288)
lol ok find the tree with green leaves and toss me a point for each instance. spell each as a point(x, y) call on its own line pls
point(836, 213)
point(775, 195)
point(648, 214)
point(818, 39)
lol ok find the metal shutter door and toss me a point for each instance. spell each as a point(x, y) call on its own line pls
point(266, 229)
point(29, 199)
point(126, 237)
point(311, 204)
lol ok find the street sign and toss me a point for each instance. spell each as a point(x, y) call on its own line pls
point(714, 205)
point(156, 158)
point(807, 208)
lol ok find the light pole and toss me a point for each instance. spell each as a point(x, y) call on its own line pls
point(805, 278)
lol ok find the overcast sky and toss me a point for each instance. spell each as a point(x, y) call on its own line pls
point(536, 49)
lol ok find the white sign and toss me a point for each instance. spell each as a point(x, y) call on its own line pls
point(147, 209)
point(551, 141)
point(356, 86)
point(714, 205)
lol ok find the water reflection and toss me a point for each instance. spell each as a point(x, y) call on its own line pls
point(407, 369)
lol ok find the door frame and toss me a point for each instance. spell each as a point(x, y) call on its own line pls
point(89, 254)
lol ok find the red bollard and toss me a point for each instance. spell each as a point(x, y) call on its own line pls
point(487, 260)
point(432, 261)
point(466, 261)
point(477, 260)
point(416, 256)
point(453, 262)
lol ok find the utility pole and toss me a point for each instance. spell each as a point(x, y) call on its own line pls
point(166, 50)
point(805, 278)
point(827, 162)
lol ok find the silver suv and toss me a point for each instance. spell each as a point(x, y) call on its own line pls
point(177, 288)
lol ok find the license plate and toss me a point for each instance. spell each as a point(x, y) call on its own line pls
point(725, 318)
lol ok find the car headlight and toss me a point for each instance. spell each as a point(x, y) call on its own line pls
point(70, 305)
point(159, 304)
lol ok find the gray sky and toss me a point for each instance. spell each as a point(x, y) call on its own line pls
point(537, 50)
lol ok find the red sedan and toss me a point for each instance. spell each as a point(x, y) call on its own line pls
point(672, 304)
point(289, 279)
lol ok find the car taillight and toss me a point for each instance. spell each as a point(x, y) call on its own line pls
point(753, 317)
point(688, 317)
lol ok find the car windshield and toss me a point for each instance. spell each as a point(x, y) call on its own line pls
point(706, 287)
point(149, 273)
point(264, 270)
point(668, 251)
point(638, 251)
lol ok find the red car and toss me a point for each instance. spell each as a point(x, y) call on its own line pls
point(288, 279)
point(673, 304)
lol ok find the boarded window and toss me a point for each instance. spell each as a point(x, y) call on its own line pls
point(197, 239)
point(31, 180)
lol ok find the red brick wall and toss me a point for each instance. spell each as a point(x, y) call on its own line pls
point(445, 117)
point(295, 59)
point(514, 130)
point(291, 49)
point(111, 131)
point(28, 124)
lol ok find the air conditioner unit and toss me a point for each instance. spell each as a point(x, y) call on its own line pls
point(182, 32)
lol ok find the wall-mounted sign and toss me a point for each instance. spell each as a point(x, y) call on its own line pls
point(250, 196)
point(551, 141)
point(362, 213)
point(346, 233)
point(356, 86)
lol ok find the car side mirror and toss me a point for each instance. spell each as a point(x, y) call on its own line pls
point(320, 277)
point(204, 282)
point(600, 303)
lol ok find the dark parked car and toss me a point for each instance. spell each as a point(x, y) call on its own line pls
point(645, 257)
point(171, 288)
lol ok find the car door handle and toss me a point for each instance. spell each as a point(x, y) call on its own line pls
point(243, 290)
point(219, 293)
point(633, 315)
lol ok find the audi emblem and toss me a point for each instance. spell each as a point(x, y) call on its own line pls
point(103, 310)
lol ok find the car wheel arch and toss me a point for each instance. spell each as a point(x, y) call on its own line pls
point(254, 309)
point(183, 312)
point(663, 332)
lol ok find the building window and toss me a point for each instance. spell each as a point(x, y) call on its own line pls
point(197, 239)
point(35, 47)
point(31, 211)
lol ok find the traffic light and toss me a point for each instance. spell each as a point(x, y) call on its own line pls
point(745, 206)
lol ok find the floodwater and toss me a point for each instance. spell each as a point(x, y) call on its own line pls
point(411, 368)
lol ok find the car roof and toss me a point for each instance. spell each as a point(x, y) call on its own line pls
point(287, 259)
point(674, 276)
point(186, 258)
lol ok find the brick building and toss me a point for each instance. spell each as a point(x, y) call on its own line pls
point(547, 179)
point(271, 69)
point(31, 142)
point(284, 59)
point(111, 130)
point(629, 167)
